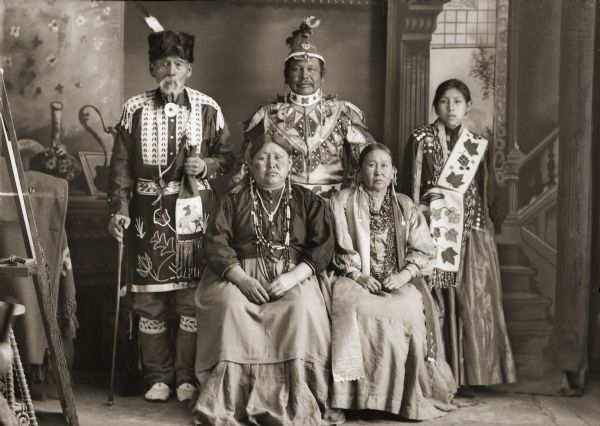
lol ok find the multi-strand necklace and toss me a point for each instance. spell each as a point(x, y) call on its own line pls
point(381, 221)
point(265, 247)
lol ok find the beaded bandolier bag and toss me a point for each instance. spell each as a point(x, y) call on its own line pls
point(453, 200)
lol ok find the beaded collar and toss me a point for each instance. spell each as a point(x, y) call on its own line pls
point(305, 100)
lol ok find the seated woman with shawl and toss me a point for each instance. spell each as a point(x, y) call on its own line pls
point(386, 354)
point(263, 348)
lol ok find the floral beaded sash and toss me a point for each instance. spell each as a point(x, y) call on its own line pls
point(447, 205)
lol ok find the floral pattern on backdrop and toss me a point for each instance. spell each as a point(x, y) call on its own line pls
point(62, 51)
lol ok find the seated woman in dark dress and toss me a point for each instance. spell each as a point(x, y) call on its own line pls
point(387, 352)
point(263, 348)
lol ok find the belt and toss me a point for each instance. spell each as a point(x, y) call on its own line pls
point(150, 187)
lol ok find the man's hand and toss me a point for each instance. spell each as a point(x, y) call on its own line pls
point(398, 280)
point(253, 290)
point(194, 165)
point(369, 283)
point(117, 226)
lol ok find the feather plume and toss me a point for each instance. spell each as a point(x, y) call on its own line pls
point(151, 20)
point(153, 23)
point(312, 21)
point(304, 30)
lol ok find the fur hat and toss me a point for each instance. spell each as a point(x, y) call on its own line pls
point(170, 43)
point(299, 41)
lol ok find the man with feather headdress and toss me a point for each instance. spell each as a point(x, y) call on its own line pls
point(170, 141)
point(326, 134)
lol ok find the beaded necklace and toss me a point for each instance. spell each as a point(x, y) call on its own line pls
point(270, 215)
point(380, 221)
point(264, 246)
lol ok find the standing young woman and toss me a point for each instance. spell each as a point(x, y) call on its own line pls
point(445, 172)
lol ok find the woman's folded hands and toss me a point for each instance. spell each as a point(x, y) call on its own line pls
point(280, 285)
point(288, 280)
point(253, 290)
point(397, 280)
point(393, 282)
point(369, 283)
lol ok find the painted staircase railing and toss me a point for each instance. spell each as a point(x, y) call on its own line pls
point(539, 170)
point(527, 251)
point(538, 179)
point(531, 181)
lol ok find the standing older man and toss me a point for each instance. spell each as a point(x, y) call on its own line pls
point(170, 141)
point(326, 134)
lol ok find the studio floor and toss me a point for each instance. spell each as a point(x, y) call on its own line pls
point(490, 407)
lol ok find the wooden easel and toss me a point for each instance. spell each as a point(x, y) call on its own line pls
point(35, 265)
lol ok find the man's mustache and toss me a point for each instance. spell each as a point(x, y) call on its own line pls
point(169, 80)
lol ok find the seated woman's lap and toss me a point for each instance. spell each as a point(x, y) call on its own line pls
point(303, 300)
point(294, 326)
point(404, 304)
point(267, 362)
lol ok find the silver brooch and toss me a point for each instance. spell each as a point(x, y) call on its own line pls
point(171, 109)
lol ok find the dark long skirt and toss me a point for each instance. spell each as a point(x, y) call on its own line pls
point(477, 344)
point(261, 364)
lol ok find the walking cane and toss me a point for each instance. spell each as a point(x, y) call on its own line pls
point(115, 336)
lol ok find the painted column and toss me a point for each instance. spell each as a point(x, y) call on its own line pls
point(574, 207)
point(410, 24)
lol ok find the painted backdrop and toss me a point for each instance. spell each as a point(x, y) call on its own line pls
point(62, 51)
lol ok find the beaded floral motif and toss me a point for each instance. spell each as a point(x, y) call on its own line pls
point(188, 324)
point(149, 326)
point(428, 136)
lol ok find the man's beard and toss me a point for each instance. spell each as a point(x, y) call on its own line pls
point(170, 88)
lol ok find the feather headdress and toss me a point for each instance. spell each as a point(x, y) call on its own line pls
point(299, 42)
